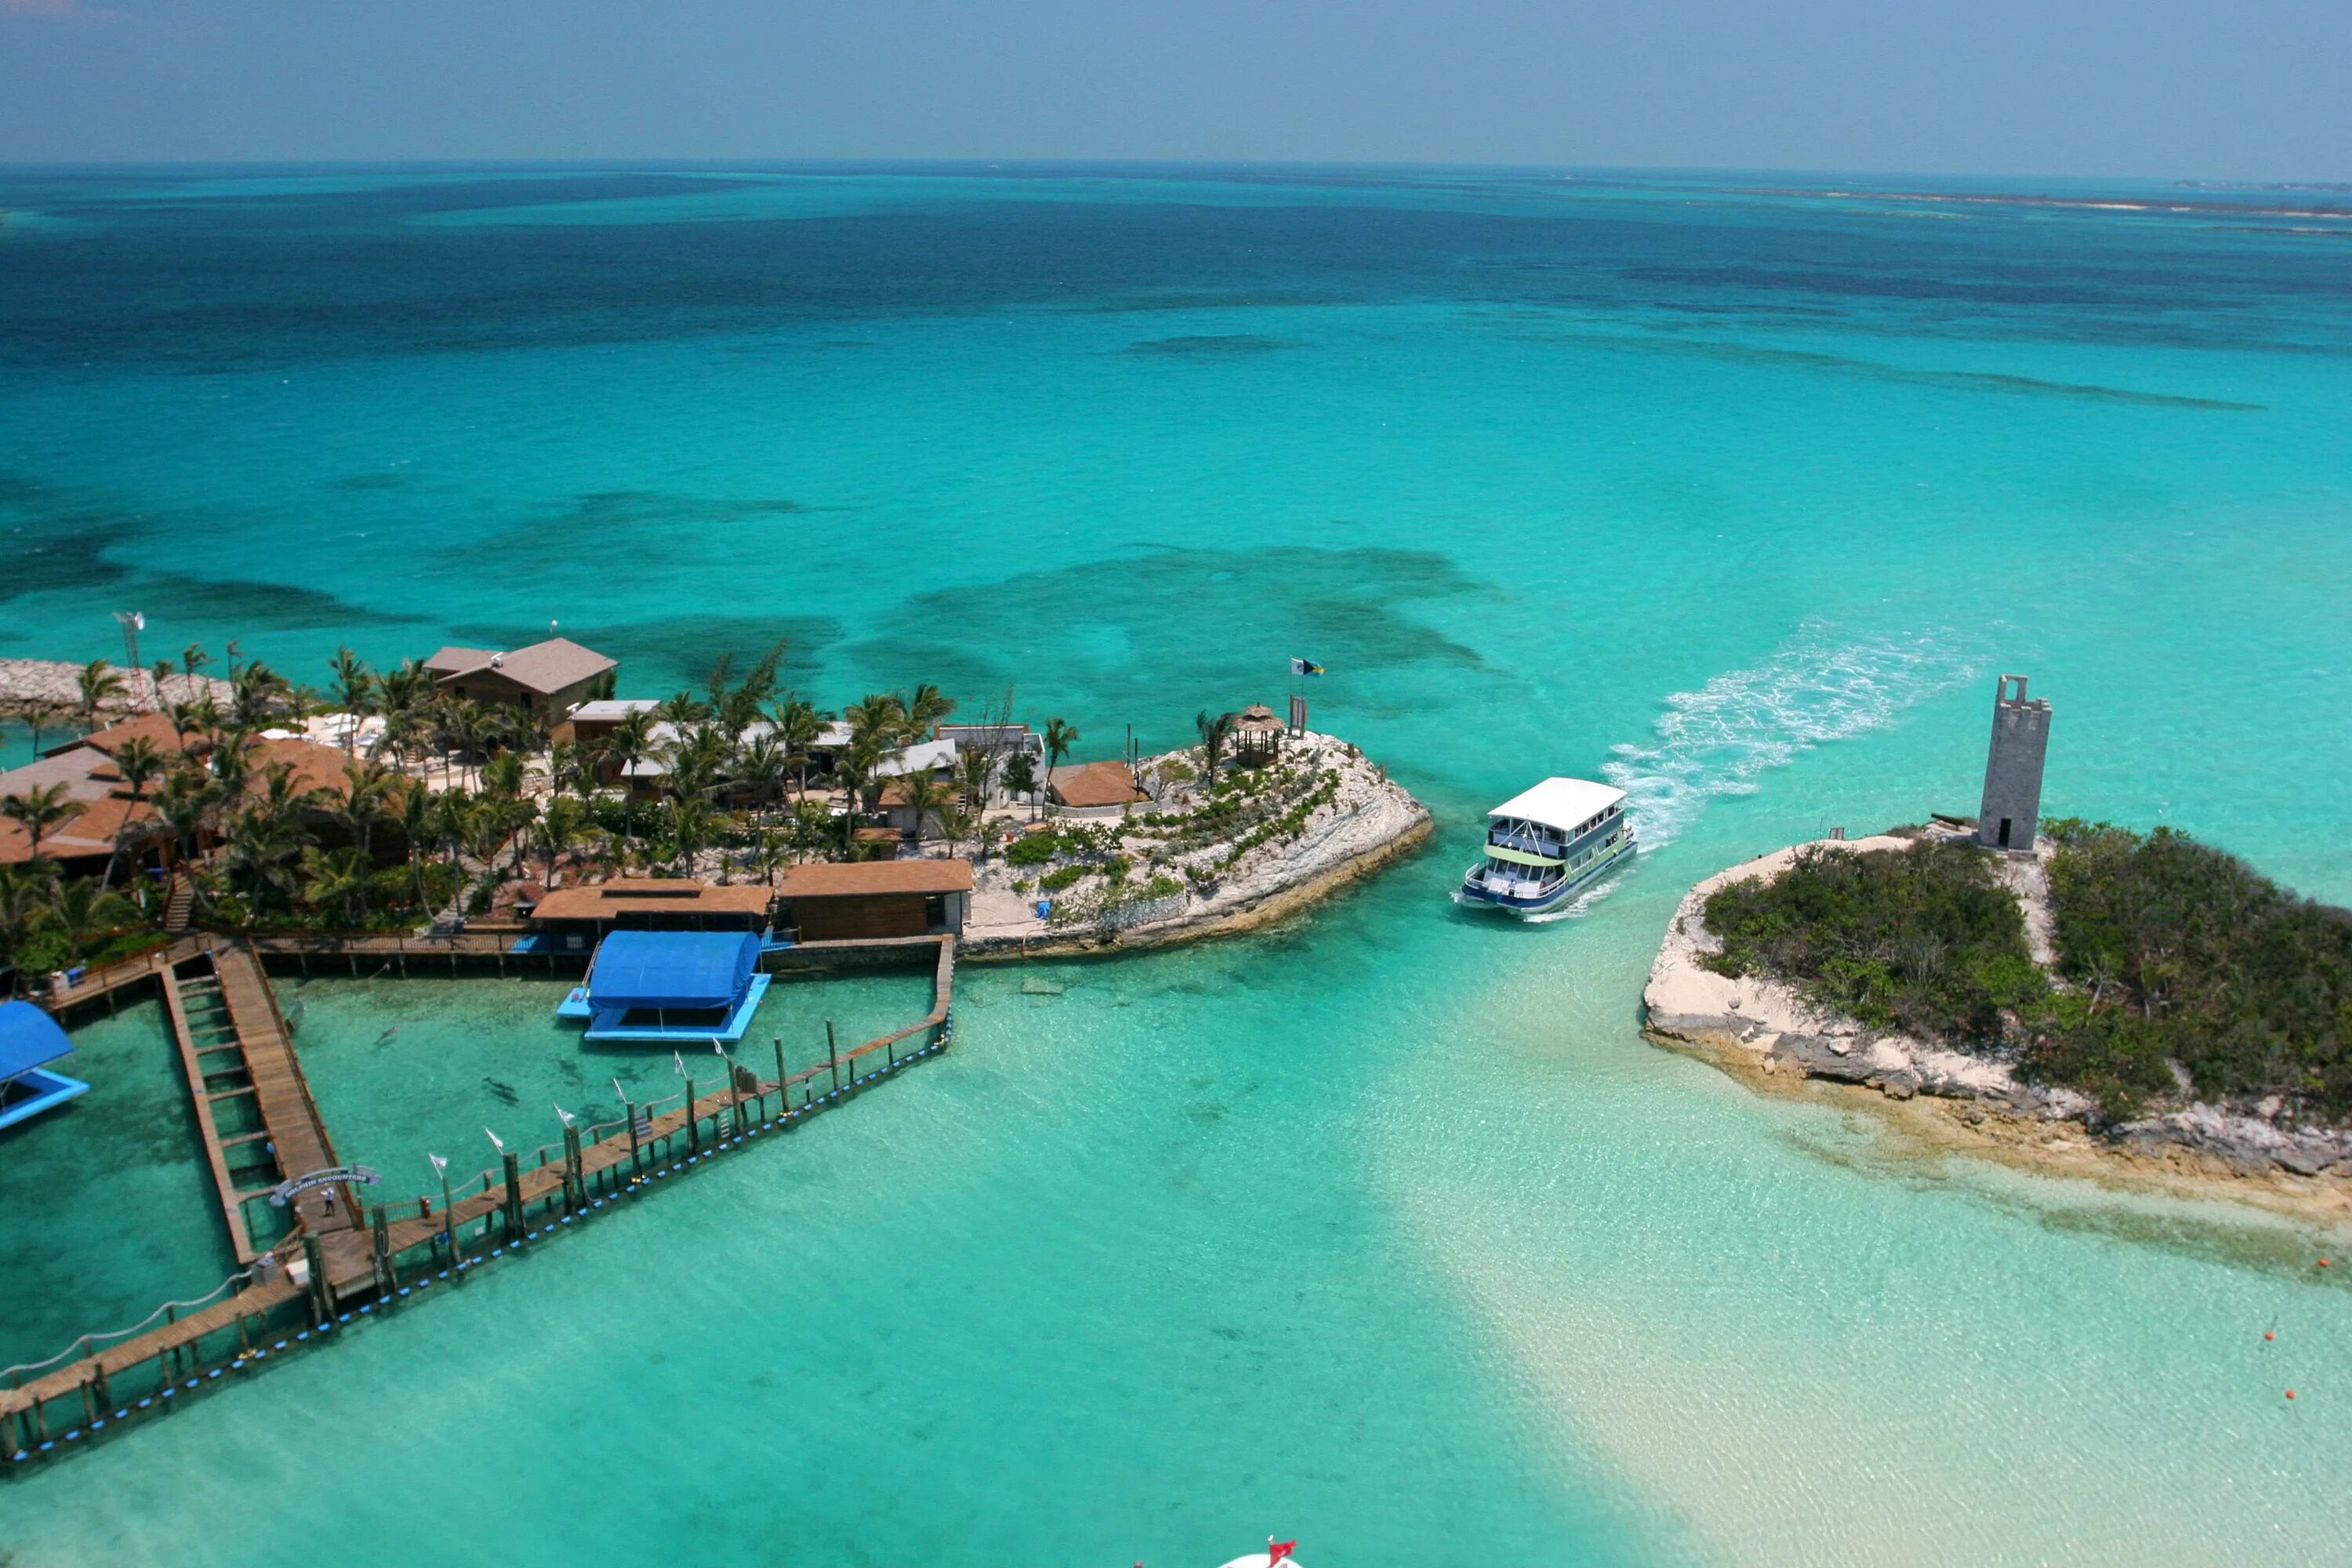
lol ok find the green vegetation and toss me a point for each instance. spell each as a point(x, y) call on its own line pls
point(1923, 940)
point(2180, 971)
point(2180, 954)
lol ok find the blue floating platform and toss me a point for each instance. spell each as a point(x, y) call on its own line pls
point(606, 1025)
point(30, 1038)
point(26, 1095)
point(574, 1007)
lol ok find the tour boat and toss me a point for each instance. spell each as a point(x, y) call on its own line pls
point(1546, 845)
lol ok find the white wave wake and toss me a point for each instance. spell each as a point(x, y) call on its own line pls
point(1745, 723)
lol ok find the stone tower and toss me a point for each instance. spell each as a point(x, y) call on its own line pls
point(2012, 787)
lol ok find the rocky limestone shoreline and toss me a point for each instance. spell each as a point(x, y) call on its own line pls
point(1370, 822)
point(28, 683)
point(1759, 1025)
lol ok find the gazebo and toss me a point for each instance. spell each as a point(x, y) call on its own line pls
point(1257, 735)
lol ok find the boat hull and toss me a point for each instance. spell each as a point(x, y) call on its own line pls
point(1473, 893)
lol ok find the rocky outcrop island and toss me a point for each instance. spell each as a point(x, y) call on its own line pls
point(2106, 993)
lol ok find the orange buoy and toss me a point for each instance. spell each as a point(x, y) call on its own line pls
point(2290, 1394)
point(2270, 1333)
point(2322, 1263)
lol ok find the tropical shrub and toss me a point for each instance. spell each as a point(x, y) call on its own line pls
point(2182, 955)
point(1922, 939)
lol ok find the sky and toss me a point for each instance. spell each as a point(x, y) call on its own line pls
point(2214, 88)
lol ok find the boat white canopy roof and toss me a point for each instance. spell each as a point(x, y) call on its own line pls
point(1564, 804)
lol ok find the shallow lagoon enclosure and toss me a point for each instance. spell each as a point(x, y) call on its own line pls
point(1387, 1229)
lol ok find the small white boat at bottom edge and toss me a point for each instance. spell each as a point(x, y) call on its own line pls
point(1546, 845)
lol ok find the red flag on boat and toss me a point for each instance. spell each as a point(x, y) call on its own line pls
point(1279, 1551)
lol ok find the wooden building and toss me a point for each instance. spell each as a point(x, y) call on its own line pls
point(866, 898)
point(571, 918)
point(548, 678)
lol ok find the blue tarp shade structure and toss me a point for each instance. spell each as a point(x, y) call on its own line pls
point(672, 969)
point(28, 1036)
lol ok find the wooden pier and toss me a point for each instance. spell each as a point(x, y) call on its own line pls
point(235, 1047)
point(336, 1268)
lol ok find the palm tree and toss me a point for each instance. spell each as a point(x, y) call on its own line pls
point(354, 692)
point(1059, 738)
point(1214, 733)
point(693, 825)
point(181, 806)
point(79, 909)
point(811, 826)
point(879, 720)
point(337, 877)
point(256, 695)
point(853, 771)
point(764, 765)
point(630, 744)
point(502, 776)
point(682, 709)
point(99, 686)
point(137, 760)
point(266, 835)
point(560, 827)
point(925, 794)
point(38, 810)
point(770, 851)
point(799, 726)
point(39, 716)
point(26, 889)
point(924, 706)
point(465, 724)
point(418, 817)
point(369, 789)
point(696, 763)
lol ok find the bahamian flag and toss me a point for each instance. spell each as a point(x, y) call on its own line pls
point(1305, 666)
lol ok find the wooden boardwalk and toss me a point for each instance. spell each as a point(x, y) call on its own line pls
point(372, 1262)
point(234, 1046)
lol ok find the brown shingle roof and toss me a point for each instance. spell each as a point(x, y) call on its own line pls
point(545, 667)
point(155, 728)
point(1095, 783)
point(89, 831)
point(656, 895)
point(876, 876)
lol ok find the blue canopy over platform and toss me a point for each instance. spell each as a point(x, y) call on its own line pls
point(670, 986)
point(30, 1038)
point(672, 969)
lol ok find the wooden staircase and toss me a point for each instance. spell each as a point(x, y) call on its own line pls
point(180, 904)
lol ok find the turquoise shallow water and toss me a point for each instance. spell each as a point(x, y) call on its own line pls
point(1389, 1230)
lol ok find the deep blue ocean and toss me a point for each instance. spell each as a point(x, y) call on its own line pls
point(1388, 1230)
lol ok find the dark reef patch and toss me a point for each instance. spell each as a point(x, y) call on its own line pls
point(604, 524)
point(1219, 346)
point(1156, 635)
point(368, 482)
point(1954, 380)
point(247, 605)
point(54, 538)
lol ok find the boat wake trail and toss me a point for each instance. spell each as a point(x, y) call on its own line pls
point(1577, 907)
point(1718, 740)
